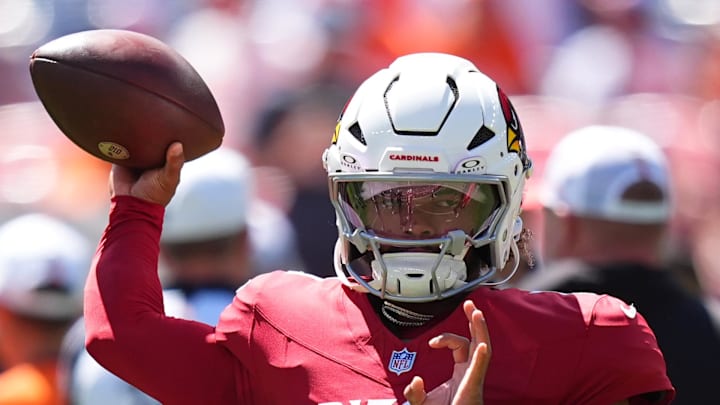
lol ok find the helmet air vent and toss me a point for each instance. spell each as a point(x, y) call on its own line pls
point(483, 135)
point(357, 133)
point(453, 86)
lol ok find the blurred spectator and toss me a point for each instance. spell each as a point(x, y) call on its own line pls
point(617, 51)
point(43, 264)
point(707, 240)
point(481, 31)
point(607, 203)
point(668, 119)
point(292, 127)
point(216, 236)
point(217, 233)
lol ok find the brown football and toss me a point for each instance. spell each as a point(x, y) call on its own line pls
point(124, 96)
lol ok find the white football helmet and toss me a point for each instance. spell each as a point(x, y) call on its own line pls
point(426, 173)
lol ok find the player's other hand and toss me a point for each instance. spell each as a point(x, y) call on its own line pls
point(471, 363)
point(153, 185)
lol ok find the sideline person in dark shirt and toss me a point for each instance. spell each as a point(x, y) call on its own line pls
point(607, 202)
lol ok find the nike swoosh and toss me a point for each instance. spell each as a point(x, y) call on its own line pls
point(629, 311)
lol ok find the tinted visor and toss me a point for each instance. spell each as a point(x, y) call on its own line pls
point(419, 210)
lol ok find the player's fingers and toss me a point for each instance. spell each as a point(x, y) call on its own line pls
point(478, 366)
point(169, 177)
point(459, 345)
point(158, 185)
point(470, 389)
point(479, 329)
point(469, 308)
point(415, 392)
point(174, 160)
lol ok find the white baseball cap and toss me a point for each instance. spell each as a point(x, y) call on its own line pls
point(212, 199)
point(590, 171)
point(43, 265)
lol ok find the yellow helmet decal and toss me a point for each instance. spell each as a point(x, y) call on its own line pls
point(337, 132)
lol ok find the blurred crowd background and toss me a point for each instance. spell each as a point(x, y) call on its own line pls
point(281, 71)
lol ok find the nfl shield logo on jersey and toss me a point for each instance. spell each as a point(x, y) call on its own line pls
point(401, 361)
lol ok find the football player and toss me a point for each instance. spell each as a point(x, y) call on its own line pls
point(426, 173)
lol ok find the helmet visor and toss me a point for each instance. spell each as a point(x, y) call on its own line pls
point(419, 210)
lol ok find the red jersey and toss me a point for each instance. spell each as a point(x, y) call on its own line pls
point(292, 338)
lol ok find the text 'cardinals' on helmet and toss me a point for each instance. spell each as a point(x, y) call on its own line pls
point(426, 172)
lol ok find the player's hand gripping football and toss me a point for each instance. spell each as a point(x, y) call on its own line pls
point(471, 363)
point(154, 185)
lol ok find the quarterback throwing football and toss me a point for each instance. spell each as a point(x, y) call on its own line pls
point(426, 173)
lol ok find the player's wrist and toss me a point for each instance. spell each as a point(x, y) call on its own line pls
point(135, 206)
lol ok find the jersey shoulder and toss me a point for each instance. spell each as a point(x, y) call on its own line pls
point(601, 340)
point(549, 316)
point(593, 309)
point(267, 289)
point(290, 299)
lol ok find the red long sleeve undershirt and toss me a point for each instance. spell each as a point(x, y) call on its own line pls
point(176, 361)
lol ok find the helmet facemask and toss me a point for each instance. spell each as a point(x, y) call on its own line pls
point(408, 237)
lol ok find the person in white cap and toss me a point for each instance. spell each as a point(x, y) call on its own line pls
point(43, 264)
point(607, 202)
point(218, 233)
point(205, 245)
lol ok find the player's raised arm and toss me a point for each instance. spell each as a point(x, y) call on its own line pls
point(127, 331)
